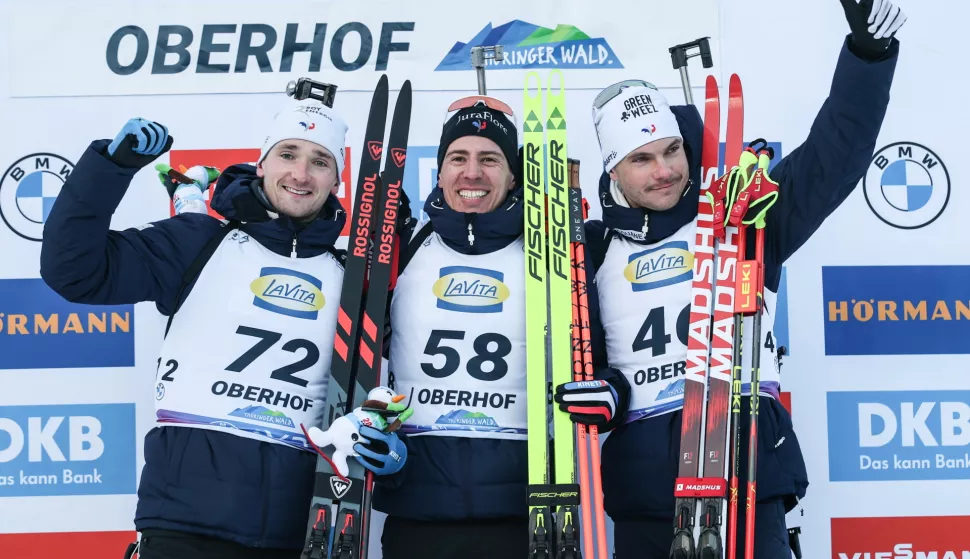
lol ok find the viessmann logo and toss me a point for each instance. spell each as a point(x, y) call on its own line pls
point(531, 46)
point(930, 537)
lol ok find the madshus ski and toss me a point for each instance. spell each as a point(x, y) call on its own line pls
point(356, 365)
point(713, 339)
point(727, 205)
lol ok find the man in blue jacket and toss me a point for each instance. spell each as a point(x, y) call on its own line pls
point(457, 318)
point(649, 199)
point(246, 359)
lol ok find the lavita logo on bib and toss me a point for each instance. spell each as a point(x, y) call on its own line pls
point(467, 289)
point(665, 265)
point(288, 292)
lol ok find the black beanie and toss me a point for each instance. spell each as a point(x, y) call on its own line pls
point(481, 121)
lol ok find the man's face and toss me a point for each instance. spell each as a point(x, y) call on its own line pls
point(298, 176)
point(654, 175)
point(475, 176)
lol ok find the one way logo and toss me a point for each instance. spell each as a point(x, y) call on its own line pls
point(339, 486)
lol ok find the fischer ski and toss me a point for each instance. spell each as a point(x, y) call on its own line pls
point(553, 495)
point(358, 342)
point(534, 172)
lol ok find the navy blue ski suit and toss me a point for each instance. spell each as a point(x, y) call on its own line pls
point(640, 459)
point(203, 482)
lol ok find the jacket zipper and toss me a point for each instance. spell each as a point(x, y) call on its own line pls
point(293, 252)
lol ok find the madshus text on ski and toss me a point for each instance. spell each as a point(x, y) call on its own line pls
point(650, 324)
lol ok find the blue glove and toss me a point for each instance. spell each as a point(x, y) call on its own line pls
point(380, 452)
point(139, 143)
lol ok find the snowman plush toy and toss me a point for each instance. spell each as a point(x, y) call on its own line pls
point(382, 411)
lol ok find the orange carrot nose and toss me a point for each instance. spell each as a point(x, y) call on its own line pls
point(397, 398)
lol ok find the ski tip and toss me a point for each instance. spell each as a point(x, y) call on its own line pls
point(529, 76)
point(560, 89)
point(735, 82)
point(711, 82)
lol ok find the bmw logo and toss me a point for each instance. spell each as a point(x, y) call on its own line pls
point(907, 185)
point(28, 190)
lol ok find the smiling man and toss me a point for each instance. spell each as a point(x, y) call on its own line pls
point(458, 342)
point(649, 194)
point(251, 343)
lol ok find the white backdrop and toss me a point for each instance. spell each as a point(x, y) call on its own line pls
point(863, 389)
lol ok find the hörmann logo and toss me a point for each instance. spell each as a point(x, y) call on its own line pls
point(257, 48)
point(896, 310)
point(531, 46)
point(40, 330)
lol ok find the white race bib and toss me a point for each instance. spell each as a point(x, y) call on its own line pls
point(249, 351)
point(644, 293)
point(458, 343)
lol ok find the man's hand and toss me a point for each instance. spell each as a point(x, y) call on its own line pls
point(591, 402)
point(380, 452)
point(873, 24)
point(139, 143)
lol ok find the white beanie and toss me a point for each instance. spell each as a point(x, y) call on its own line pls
point(637, 116)
point(312, 121)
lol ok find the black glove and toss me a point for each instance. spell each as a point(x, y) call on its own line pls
point(139, 143)
point(873, 24)
point(591, 402)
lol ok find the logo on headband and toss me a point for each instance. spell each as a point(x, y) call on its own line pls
point(637, 106)
point(480, 119)
point(308, 126)
point(651, 130)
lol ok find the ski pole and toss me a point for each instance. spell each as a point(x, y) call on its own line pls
point(734, 190)
point(583, 371)
point(759, 197)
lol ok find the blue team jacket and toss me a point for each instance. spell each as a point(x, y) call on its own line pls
point(640, 459)
point(251, 492)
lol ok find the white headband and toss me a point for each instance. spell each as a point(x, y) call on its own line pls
point(312, 121)
point(637, 116)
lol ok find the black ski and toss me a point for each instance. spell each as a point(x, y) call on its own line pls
point(356, 363)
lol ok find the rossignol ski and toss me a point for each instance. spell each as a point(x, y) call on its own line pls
point(358, 342)
point(553, 494)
